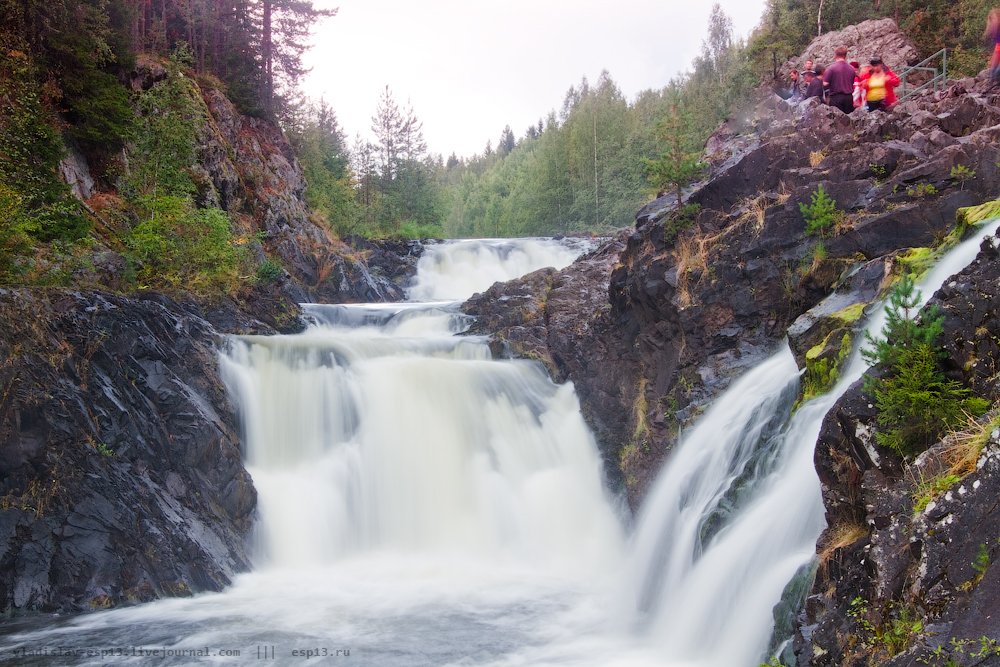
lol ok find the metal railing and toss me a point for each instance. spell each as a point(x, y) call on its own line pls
point(937, 77)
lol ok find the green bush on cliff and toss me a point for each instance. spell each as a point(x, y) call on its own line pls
point(821, 213)
point(180, 246)
point(916, 402)
point(164, 147)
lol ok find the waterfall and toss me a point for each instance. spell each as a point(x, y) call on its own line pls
point(459, 269)
point(396, 435)
point(421, 503)
point(736, 512)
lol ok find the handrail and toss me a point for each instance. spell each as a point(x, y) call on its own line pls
point(922, 66)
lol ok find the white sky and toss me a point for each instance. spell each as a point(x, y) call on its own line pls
point(469, 67)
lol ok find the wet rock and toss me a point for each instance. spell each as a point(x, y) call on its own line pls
point(121, 478)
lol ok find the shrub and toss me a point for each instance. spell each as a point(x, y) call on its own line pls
point(916, 402)
point(821, 213)
point(269, 272)
point(180, 246)
point(164, 147)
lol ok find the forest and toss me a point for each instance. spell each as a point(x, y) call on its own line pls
point(589, 165)
point(585, 167)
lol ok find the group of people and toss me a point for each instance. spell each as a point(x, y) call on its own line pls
point(845, 85)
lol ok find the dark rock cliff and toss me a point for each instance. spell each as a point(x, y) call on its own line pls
point(907, 547)
point(121, 478)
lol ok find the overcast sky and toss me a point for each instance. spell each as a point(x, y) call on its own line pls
point(470, 67)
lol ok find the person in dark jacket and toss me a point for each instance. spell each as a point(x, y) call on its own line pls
point(814, 85)
point(838, 79)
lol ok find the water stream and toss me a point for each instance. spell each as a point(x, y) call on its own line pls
point(421, 503)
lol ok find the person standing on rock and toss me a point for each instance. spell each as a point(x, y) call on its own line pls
point(794, 91)
point(880, 86)
point(814, 87)
point(992, 34)
point(838, 79)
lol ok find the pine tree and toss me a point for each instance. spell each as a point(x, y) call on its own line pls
point(680, 160)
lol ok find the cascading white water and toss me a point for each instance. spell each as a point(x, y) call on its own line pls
point(422, 504)
point(737, 510)
point(412, 444)
point(459, 269)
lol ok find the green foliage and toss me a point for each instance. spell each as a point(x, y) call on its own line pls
point(961, 173)
point(160, 157)
point(177, 246)
point(982, 562)
point(679, 220)
point(893, 636)
point(269, 271)
point(921, 190)
point(30, 151)
point(916, 402)
point(953, 653)
point(413, 230)
point(902, 329)
point(321, 148)
point(821, 213)
point(679, 163)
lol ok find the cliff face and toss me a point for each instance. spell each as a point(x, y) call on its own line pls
point(121, 478)
point(913, 542)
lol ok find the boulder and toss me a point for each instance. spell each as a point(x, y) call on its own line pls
point(876, 37)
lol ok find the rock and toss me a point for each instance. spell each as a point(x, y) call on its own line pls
point(121, 478)
point(881, 37)
point(933, 563)
point(75, 172)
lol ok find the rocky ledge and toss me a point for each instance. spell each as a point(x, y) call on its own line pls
point(121, 478)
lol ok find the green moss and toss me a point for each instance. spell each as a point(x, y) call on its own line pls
point(823, 372)
point(917, 261)
point(851, 313)
point(971, 215)
point(817, 349)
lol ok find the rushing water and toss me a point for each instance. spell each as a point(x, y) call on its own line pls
point(423, 504)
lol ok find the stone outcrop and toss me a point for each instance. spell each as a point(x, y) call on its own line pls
point(251, 172)
point(692, 304)
point(876, 37)
point(911, 545)
point(121, 478)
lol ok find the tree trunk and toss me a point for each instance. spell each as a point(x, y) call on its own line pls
point(267, 52)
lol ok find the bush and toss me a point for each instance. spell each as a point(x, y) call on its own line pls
point(821, 214)
point(916, 402)
point(164, 147)
point(179, 246)
point(416, 231)
point(269, 272)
